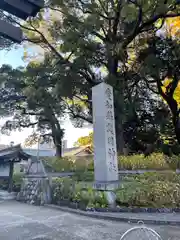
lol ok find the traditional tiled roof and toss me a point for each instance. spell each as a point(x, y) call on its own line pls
point(77, 150)
point(3, 146)
point(13, 153)
point(52, 152)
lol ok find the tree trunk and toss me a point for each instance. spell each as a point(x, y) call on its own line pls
point(57, 135)
point(119, 136)
point(175, 117)
point(173, 105)
point(58, 144)
point(57, 132)
point(176, 123)
point(57, 139)
point(118, 112)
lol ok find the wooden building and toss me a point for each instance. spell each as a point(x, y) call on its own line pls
point(8, 158)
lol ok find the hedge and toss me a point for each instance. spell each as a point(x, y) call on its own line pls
point(156, 161)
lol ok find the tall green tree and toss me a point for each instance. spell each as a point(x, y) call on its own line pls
point(38, 105)
point(160, 63)
point(97, 40)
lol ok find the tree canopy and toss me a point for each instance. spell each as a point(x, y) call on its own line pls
point(85, 140)
point(81, 43)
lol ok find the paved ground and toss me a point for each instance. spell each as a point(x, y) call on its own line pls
point(25, 222)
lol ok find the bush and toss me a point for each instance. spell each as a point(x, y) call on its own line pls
point(84, 176)
point(169, 176)
point(68, 164)
point(69, 190)
point(4, 184)
point(150, 190)
point(156, 161)
point(62, 189)
point(59, 164)
point(17, 180)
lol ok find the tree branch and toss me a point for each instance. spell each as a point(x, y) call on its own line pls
point(172, 85)
point(76, 115)
point(83, 100)
point(117, 16)
point(144, 25)
point(140, 14)
point(28, 125)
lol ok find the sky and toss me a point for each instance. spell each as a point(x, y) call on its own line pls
point(14, 58)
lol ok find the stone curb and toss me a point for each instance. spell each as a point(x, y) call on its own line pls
point(118, 217)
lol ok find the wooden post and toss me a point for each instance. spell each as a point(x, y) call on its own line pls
point(11, 170)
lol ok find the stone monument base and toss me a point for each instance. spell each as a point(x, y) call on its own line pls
point(35, 190)
point(107, 188)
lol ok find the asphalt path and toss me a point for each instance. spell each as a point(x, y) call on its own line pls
point(25, 222)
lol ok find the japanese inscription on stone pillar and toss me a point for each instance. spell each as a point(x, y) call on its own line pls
point(105, 152)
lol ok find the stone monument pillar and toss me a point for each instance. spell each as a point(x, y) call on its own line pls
point(105, 151)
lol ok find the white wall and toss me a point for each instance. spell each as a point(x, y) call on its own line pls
point(4, 170)
point(42, 153)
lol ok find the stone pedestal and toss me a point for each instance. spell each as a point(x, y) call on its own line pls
point(35, 190)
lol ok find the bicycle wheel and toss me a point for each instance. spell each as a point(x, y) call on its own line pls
point(140, 233)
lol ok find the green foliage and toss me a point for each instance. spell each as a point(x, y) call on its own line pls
point(54, 164)
point(84, 176)
point(63, 189)
point(84, 43)
point(17, 181)
point(67, 164)
point(3, 184)
point(163, 53)
point(144, 190)
point(168, 176)
point(92, 41)
point(72, 191)
point(85, 140)
point(150, 190)
point(38, 105)
point(83, 168)
point(154, 161)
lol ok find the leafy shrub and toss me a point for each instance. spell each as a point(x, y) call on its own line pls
point(71, 191)
point(4, 184)
point(59, 164)
point(84, 176)
point(156, 161)
point(90, 165)
point(68, 164)
point(169, 176)
point(62, 189)
point(17, 180)
point(151, 190)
